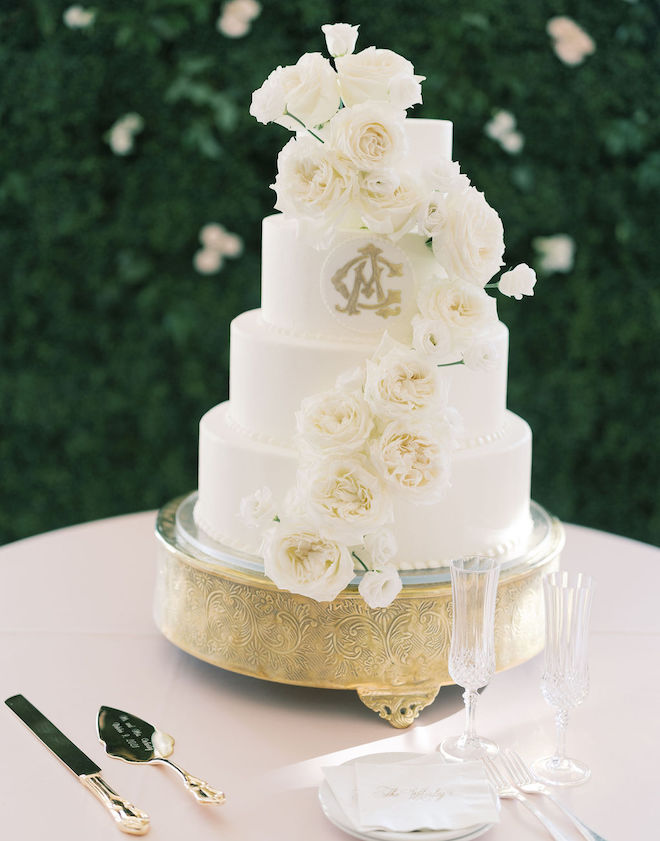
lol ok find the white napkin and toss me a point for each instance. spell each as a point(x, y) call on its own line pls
point(418, 792)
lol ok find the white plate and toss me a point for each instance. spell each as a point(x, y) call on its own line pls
point(336, 815)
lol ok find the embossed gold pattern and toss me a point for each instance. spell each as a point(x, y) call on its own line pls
point(395, 657)
point(368, 268)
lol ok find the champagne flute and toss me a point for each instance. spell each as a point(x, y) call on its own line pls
point(472, 650)
point(565, 679)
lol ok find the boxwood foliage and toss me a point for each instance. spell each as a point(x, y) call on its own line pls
point(113, 345)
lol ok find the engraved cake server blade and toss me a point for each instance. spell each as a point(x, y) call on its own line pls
point(128, 818)
point(128, 737)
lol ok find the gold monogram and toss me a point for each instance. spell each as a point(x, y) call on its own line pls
point(368, 268)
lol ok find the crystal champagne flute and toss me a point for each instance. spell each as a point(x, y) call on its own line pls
point(565, 679)
point(472, 650)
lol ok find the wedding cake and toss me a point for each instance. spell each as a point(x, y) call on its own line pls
point(366, 430)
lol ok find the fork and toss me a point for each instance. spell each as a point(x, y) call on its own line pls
point(522, 776)
point(508, 791)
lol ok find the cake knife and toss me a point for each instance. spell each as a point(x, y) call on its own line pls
point(128, 818)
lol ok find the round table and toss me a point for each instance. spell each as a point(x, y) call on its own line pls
point(77, 633)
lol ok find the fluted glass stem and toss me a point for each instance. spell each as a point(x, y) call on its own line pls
point(561, 722)
point(470, 697)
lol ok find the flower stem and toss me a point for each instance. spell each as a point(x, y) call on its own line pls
point(358, 558)
point(493, 285)
point(293, 117)
point(449, 364)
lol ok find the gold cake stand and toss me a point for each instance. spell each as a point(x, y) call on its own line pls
point(217, 605)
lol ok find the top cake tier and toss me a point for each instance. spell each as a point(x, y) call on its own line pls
point(363, 284)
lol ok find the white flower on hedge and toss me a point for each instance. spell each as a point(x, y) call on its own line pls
point(388, 209)
point(402, 383)
point(346, 499)
point(570, 42)
point(312, 180)
point(470, 244)
point(334, 422)
point(297, 558)
point(218, 238)
point(121, 135)
point(379, 548)
point(415, 459)
point(236, 17)
point(340, 38)
point(379, 587)
point(208, 261)
point(481, 355)
point(370, 135)
point(502, 129)
point(463, 307)
point(432, 338)
point(77, 17)
point(557, 253)
point(258, 509)
point(378, 75)
point(307, 90)
point(518, 282)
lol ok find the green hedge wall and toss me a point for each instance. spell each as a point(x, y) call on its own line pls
point(113, 345)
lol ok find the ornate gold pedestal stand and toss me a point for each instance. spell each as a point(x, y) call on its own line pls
point(215, 604)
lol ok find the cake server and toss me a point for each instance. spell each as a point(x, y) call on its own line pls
point(128, 737)
point(128, 818)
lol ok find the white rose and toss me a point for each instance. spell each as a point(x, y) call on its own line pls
point(307, 90)
point(432, 214)
point(482, 355)
point(471, 243)
point(352, 380)
point(445, 176)
point(312, 181)
point(380, 587)
point(346, 499)
point(414, 457)
point(258, 509)
point(379, 548)
point(387, 210)
point(432, 338)
point(334, 422)
point(518, 282)
point(464, 308)
point(403, 383)
point(297, 558)
point(340, 38)
point(378, 75)
point(370, 135)
point(557, 253)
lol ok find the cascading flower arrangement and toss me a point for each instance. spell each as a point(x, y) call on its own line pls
point(386, 429)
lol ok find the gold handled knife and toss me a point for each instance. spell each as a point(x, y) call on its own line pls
point(128, 818)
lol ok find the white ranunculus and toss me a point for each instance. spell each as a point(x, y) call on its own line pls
point(557, 252)
point(432, 337)
point(387, 209)
point(444, 176)
point(571, 43)
point(297, 558)
point(379, 548)
point(464, 308)
point(346, 499)
point(334, 422)
point(471, 243)
point(340, 38)
point(481, 355)
point(370, 135)
point(518, 282)
point(403, 383)
point(380, 587)
point(258, 509)
point(378, 75)
point(306, 90)
point(415, 459)
point(312, 180)
point(207, 261)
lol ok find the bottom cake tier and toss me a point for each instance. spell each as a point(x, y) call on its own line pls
point(486, 511)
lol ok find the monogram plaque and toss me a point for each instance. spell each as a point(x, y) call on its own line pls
point(367, 283)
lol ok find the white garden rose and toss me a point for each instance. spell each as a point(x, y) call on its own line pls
point(340, 38)
point(414, 458)
point(518, 282)
point(258, 509)
point(380, 587)
point(403, 383)
point(470, 245)
point(346, 499)
point(297, 558)
point(387, 209)
point(379, 548)
point(481, 355)
point(351, 380)
point(445, 176)
point(378, 75)
point(334, 422)
point(370, 135)
point(464, 308)
point(307, 90)
point(432, 214)
point(432, 338)
point(312, 181)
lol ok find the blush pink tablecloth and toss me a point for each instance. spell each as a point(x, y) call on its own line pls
point(77, 632)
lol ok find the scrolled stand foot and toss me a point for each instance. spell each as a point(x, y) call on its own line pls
point(400, 708)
